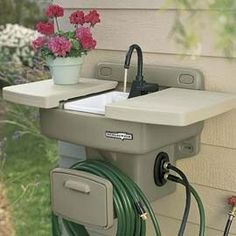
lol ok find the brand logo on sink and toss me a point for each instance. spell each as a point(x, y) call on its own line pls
point(119, 135)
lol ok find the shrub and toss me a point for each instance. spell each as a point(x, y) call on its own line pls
point(15, 44)
point(24, 12)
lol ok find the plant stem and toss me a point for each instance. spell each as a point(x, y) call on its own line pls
point(58, 28)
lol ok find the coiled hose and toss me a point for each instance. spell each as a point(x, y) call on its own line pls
point(130, 204)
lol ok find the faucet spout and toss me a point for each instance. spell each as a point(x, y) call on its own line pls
point(139, 86)
point(139, 75)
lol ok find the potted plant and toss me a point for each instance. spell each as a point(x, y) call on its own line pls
point(64, 50)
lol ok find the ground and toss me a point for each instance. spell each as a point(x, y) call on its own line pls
point(5, 222)
point(24, 176)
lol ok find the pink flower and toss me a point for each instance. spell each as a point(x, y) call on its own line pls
point(54, 10)
point(77, 17)
point(83, 32)
point(88, 42)
point(45, 28)
point(84, 36)
point(60, 46)
point(92, 17)
point(38, 43)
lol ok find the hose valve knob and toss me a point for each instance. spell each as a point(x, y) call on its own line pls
point(232, 201)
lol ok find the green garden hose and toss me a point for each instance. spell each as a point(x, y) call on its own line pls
point(199, 204)
point(130, 203)
point(201, 211)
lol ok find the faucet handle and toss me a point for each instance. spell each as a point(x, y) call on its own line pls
point(136, 89)
point(139, 88)
point(150, 88)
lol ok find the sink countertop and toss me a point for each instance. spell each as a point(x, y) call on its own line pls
point(45, 94)
point(173, 106)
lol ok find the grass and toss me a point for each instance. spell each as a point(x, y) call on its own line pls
point(25, 173)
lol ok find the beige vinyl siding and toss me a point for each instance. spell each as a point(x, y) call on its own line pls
point(213, 167)
point(132, 25)
point(109, 4)
point(129, 4)
point(170, 227)
point(212, 199)
point(212, 171)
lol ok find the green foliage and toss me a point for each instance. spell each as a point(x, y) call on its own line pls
point(223, 5)
point(23, 12)
point(76, 49)
point(188, 25)
point(15, 39)
point(26, 177)
point(26, 156)
point(184, 4)
point(225, 18)
point(185, 34)
point(26, 160)
point(22, 122)
point(11, 73)
point(6, 12)
point(45, 53)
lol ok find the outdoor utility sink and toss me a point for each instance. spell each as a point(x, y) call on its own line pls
point(137, 125)
point(130, 132)
point(98, 131)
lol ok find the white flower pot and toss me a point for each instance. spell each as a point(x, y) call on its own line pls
point(66, 70)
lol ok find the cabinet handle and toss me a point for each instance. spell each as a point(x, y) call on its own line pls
point(77, 186)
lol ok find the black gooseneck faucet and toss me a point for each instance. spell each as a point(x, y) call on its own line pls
point(139, 86)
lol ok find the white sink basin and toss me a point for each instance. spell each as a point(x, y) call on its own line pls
point(96, 104)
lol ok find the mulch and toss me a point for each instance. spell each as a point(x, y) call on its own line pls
point(5, 220)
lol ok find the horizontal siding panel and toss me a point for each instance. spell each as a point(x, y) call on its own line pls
point(111, 4)
point(221, 130)
point(214, 201)
point(151, 29)
point(170, 227)
point(130, 4)
point(213, 166)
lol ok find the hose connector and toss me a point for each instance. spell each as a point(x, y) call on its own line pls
point(141, 211)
